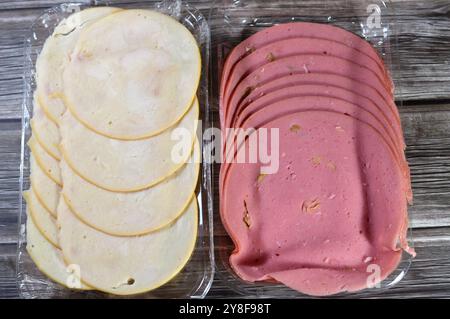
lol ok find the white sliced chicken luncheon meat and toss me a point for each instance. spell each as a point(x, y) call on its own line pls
point(138, 71)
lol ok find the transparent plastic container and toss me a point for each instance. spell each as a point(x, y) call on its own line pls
point(239, 19)
point(195, 280)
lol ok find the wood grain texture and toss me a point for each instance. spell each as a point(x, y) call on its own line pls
point(423, 81)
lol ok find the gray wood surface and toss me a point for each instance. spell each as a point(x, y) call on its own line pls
point(423, 82)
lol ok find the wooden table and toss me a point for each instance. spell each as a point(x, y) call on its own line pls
point(424, 77)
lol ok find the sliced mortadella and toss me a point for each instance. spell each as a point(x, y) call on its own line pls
point(334, 208)
point(304, 64)
point(296, 30)
point(356, 87)
point(297, 46)
point(394, 131)
point(291, 105)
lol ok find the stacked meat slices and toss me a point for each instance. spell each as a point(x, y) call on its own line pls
point(333, 216)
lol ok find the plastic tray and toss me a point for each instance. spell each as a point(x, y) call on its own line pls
point(196, 278)
point(371, 19)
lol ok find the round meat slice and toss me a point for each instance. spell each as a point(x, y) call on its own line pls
point(136, 213)
point(299, 46)
point(297, 30)
point(128, 265)
point(311, 103)
point(336, 203)
point(126, 166)
point(393, 132)
point(45, 189)
point(325, 282)
point(49, 260)
point(48, 164)
point(305, 64)
point(45, 131)
point(41, 218)
point(55, 55)
point(356, 87)
point(134, 86)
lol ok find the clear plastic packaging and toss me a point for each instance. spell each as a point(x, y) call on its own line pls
point(370, 19)
point(195, 280)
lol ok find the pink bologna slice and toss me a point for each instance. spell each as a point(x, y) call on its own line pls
point(333, 212)
point(297, 46)
point(305, 64)
point(356, 87)
point(282, 107)
point(296, 30)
